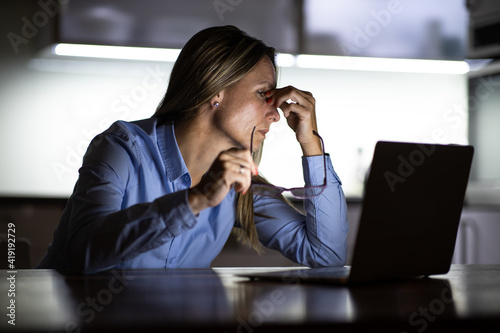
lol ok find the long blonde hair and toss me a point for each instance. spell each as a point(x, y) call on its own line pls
point(211, 61)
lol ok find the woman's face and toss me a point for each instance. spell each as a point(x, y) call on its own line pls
point(243, 106)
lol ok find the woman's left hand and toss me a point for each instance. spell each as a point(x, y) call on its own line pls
point(299, 109)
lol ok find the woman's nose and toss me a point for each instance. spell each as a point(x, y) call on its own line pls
point(273, 114)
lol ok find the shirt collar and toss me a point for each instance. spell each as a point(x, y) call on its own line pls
point(172, 157)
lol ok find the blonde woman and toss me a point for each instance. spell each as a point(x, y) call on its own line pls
point(167, 191)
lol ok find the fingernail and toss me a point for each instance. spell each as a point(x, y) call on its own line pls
point(267, 93)
point(269, 100)
point(276, 104)
point(256, 171)
point(244, 192)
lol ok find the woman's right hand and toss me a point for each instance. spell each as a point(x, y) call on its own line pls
point(234, 167)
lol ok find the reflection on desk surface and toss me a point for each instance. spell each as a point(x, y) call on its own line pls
point(467, 298)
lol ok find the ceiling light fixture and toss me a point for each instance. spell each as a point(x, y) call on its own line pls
point(116, 52)
point(382, 64)
point(283, 59)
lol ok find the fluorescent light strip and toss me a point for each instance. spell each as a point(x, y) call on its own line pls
point(137, 53)
point(382, 64)
point(283, 59)
point(116, 52)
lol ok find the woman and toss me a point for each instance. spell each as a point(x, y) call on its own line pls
point(166, 191)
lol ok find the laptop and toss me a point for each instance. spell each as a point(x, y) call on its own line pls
point(411, 210)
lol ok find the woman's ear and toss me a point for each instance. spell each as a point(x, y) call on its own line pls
point(217, 100)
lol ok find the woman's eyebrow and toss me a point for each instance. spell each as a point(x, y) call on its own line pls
point(268, 84)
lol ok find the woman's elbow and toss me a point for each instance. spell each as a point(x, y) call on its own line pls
point(327, 257)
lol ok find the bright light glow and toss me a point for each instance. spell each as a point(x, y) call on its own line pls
point(116, 52)
point(285, 60)
point(382, 64)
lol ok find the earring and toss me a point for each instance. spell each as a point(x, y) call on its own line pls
point(216, 104)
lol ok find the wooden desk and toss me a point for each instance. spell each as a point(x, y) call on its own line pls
point(201, 300)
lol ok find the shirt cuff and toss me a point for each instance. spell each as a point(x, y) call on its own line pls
point(314, 170)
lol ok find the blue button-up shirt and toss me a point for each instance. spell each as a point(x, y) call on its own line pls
point(129, 209)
